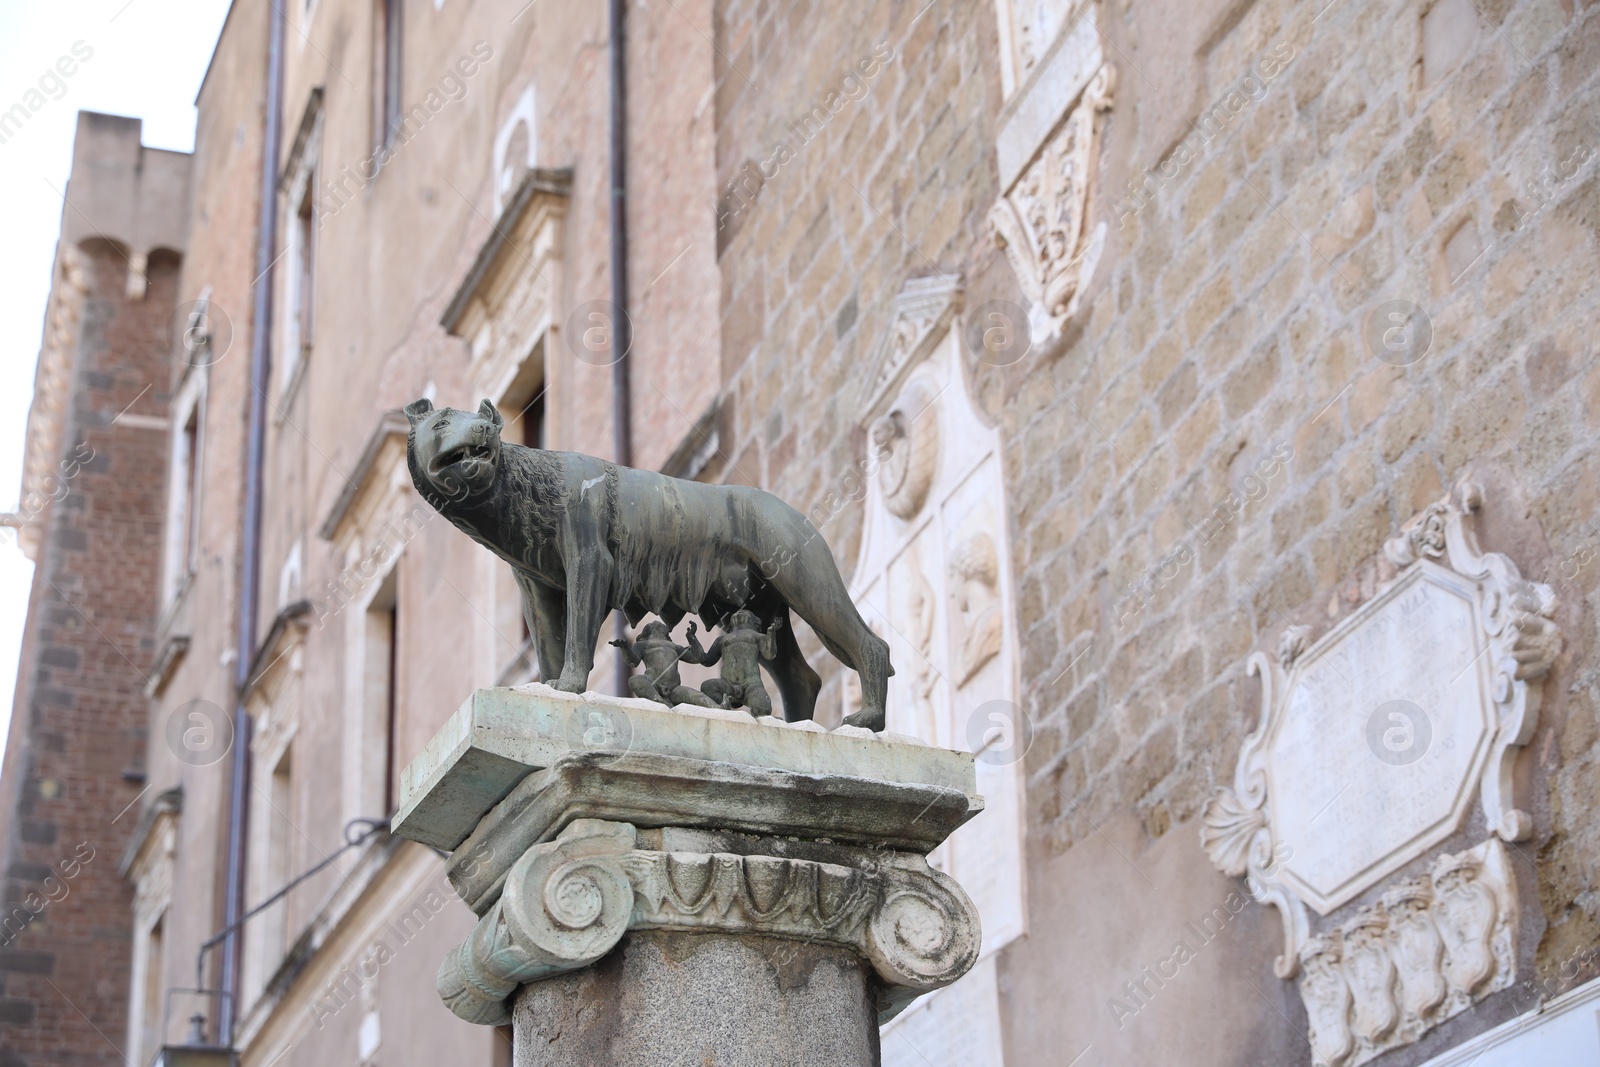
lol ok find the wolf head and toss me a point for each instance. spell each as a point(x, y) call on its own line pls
point(453, 454)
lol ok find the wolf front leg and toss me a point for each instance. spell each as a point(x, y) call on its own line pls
point(545, 610)
point(588, 583)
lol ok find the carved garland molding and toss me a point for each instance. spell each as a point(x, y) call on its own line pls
point(567, 903)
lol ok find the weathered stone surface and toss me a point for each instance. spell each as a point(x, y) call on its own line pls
point(656, 791)
point(665, 999)
point(499, 736)
point(568, 902)
point(750, 841)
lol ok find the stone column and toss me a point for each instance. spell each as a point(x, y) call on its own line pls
point(684, 886)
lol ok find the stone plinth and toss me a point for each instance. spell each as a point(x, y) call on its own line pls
point(656, 885)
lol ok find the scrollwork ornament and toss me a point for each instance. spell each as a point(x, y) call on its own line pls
point(1518, 622)
point(1432, 946)
point(565, 904)
point(925, 933)
point(1327, 999)
point(568, 902)
point(1429, 950)
point(1293, 641)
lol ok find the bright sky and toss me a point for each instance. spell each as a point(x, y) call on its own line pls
point(149, 57)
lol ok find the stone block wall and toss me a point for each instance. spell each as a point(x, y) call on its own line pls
point(854, 150)
point(1242, 316)
point(1233, 422)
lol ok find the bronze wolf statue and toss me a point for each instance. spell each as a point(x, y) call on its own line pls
point(584, 536)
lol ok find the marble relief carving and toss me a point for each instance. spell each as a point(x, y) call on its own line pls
point(1041, 221)
point(975, 590)
point(921, 313)
point(906, 440)
point(567, 902)
point(1388, 730)
point(921, 614)
point(1427, 951)
point(1027, 30)
point(933, 573)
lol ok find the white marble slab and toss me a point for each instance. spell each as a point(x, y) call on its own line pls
point(499, 736)
point(1386, 729)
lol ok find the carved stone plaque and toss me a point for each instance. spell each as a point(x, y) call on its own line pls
point(1375, 742)
point(1385, 728)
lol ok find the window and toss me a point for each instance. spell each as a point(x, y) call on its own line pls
point(523, 406)
point(150, 871)
point(151, 1006)
point(280, 829)
point(529, 423)
point(388, 57)
point(382, 692)
point(299, 256)
point(183, 480)
point(515, 149)
point(302, 288)
point(189, 445)
point(306, 262)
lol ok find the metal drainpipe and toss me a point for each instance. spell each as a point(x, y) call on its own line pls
point(250, 576)
point(621, 326)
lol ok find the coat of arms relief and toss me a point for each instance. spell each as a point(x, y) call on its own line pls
point(1048, 156)
point(1378, 743)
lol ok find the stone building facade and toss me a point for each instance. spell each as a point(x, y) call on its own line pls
point(1134, 357)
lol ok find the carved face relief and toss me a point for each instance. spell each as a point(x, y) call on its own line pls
point(905, 442)
point(455, 452)
point(975, 588)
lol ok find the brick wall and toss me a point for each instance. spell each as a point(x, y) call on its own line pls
point(64, 976)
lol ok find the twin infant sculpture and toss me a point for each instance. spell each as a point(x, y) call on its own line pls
point(584, 537)
point(741, 648)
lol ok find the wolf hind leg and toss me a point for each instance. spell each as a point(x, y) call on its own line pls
point(798, 685)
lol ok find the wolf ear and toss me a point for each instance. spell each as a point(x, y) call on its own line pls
point(417, 409)
point(490, 414)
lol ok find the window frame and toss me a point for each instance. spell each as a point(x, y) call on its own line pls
point(185, 479)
